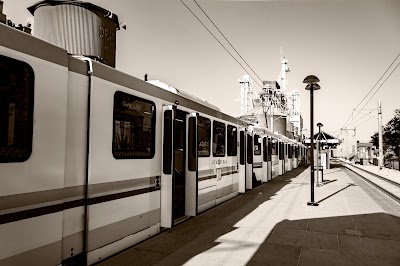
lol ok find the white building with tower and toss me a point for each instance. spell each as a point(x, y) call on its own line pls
point(275, 107)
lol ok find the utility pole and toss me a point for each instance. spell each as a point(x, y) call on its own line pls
point(380, 135)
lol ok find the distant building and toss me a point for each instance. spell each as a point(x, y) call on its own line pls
point(365, 151)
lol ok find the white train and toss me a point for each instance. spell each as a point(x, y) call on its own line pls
point(93, 161)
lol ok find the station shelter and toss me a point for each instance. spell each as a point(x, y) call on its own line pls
point(325, 143)
point(366, 153)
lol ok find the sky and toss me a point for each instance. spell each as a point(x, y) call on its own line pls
point(347, 44)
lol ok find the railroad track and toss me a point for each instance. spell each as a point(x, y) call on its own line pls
point(388, 186)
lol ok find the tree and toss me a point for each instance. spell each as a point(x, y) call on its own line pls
point(390, 135)
point(392, 132)
point(375, 139)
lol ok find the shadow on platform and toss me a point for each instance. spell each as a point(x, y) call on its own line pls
point(369, 239)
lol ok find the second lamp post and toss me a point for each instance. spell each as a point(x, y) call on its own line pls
point(312, 85)
point(319, 162)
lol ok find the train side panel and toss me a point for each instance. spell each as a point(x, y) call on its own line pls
point(75, 162)
point(32, 150)
point(124, 166)
point(218, 175)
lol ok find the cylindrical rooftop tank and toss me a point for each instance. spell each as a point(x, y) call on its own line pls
point(79, 27)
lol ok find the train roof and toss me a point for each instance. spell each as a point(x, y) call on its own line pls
point(18, 40)
point(184, 94)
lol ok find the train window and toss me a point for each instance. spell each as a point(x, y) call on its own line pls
point(284, 148)
point(281, 151)
point(257, 145)
point(242, 147)
point(204, 136)
point(265, 149)
point(274, 147)
point(16, 110)
point(192, 159)
point(232, 141)
point(269, 147)
point(167, 148)
point(134, 127)
point(249, 149)
point(219, 133)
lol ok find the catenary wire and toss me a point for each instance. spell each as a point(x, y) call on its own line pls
point(374, 117)
point(375, 85)
point(345, 124)
point(219, 42)
point(381, 85)
point(227, 40)
point(353, 122)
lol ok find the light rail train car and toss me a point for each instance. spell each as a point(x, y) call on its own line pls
point(93, 160)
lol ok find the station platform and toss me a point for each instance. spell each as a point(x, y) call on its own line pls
point(354, 224)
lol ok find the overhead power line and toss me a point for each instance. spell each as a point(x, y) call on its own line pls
point(353, 122)
point(228, 40)
point(220, 43)
point(377, 82)
point(381, 85)
point(345, 124)
point(366, 121)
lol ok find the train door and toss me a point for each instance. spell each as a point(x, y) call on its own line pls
point(265, 169)
point(269, 158)
point(191, 175)
point(249, 160)
point(281, 156)
point(290, 156)
point(242, 161)
point(175, 169)
point(167, 167)
point(274, 158)
point(257, 160)
point(179, 163)
point(286, 148)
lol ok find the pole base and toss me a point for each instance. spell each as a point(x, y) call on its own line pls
point(311, 203)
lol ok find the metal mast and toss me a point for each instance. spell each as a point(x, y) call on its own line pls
point(380, 134)
point(246, 94)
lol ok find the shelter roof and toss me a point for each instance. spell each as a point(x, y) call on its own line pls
point(325, 138)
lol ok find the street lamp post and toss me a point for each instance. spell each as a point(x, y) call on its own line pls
point(319, 125)
point(312, 85)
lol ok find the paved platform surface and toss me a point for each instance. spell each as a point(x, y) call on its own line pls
point(354, 224)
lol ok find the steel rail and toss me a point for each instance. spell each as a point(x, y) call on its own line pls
point(394, 196)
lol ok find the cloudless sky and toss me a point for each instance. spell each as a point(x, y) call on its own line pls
point(347, 44)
